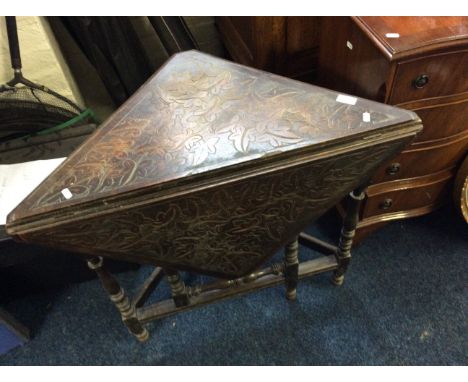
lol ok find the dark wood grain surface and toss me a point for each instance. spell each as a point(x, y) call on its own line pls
point(286, 45)
point(348, 62)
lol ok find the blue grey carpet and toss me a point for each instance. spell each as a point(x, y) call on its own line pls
point(404, 302)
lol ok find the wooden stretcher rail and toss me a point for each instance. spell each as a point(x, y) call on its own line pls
point(166, 308)
point(148, 287)
point(317, 244)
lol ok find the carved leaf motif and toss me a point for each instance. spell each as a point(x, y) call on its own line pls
point(199, 149)
point(192, 142)
point(228, 229)
point(240, 136)
point(196, 108)
point(277, 136)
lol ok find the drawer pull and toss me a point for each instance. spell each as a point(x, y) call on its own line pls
point(421, 81)
point(393, 168)
point(386, 204)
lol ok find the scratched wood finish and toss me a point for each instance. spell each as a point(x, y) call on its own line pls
point(211, 166)
point(387, 69)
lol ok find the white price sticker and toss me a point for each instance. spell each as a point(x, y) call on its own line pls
point(346, 99)
point(67, 193)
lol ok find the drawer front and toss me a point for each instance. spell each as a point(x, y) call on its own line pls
point(431, 76)
point(442, 121)
point(407, 199)
point(419, 162)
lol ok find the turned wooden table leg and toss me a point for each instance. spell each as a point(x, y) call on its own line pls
point(119, 298)
point(343, 254)
point(291, 268)
point(179, 292)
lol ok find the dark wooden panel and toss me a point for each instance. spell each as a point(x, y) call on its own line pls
point(302, 40)
point(302, 33)
point(270, 42)
point(280, 44)
point(348, 62)
point(245, 28)
point(235, 41)
point(256, 41)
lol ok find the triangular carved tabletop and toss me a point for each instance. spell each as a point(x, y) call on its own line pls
point(211, 166)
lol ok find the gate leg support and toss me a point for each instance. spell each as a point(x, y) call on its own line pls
point(291, 268)
point(119, 298)
point(343, 254)
point(178, 290)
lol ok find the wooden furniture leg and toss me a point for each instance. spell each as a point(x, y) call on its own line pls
point(343, 253)
point(179, 292)
point(291, 268)
point(119, 298)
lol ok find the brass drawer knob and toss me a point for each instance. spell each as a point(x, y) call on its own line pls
point(421, 81)
point(393, 168)
point(386, 204)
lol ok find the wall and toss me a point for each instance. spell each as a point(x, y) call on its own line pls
point(41, 58)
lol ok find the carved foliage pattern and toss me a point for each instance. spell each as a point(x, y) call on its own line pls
point(199, 113)
point(225, 230)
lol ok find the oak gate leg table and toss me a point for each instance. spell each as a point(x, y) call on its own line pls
point(212, 167)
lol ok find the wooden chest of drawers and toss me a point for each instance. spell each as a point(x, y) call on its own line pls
point(417, 63)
